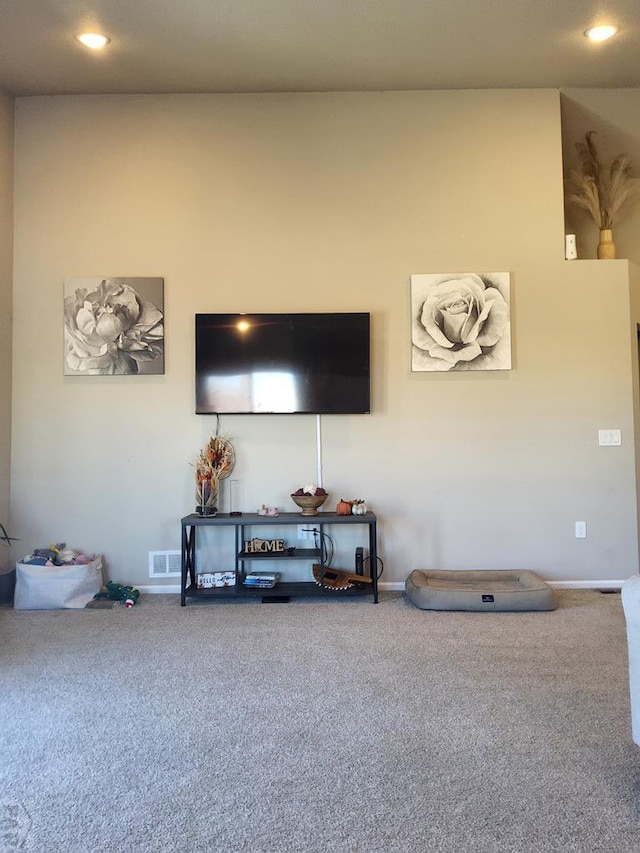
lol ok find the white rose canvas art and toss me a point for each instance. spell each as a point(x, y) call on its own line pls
point(460, 321)
point(113, 326)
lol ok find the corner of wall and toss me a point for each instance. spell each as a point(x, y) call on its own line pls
point(6, 299)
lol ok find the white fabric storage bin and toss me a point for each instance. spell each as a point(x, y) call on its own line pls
point(56, 587)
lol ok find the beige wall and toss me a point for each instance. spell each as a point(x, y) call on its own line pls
point(323, 202)
point(6, 251)
point(634, 276)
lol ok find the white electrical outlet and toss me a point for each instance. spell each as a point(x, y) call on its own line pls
point(308, 531)
point(609, 437)
point(581, 529)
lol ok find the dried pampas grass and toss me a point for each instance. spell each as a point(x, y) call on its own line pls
point(600, 191)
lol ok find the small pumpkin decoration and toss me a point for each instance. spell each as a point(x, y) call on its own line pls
point(343, 507)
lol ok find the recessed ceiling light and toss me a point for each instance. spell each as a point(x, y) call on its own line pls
point(601, 33)
point(93, 40)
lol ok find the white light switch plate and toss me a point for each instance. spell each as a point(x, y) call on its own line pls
point(609, 437)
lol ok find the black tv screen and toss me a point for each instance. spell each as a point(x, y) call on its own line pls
point(282, 363)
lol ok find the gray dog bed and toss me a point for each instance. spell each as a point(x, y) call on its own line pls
point(479, 590)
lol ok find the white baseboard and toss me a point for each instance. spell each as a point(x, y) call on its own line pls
point(398, 586)
point(161, 589)
point(586, 584)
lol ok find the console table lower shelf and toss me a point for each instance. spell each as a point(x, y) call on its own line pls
point(283, 590)
point(280, 592)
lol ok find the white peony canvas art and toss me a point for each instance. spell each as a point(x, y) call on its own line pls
point(460, 321)
point(113, 326)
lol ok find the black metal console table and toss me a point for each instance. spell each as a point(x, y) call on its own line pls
point(282, 591)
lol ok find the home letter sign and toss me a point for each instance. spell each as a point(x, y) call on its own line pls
point(260, 546)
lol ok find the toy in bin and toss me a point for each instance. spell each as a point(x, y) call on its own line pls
point(120, 592)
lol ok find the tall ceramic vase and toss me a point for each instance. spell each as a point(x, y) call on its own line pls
point(606, 246)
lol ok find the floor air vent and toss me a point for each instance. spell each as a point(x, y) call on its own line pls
point(165, 564)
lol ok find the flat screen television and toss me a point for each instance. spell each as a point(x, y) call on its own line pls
point(282, 363)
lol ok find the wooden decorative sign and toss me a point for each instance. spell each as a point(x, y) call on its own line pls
point(260, 546)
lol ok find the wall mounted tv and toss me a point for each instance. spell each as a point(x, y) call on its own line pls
point(282, 363)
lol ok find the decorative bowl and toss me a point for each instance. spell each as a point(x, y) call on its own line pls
point(309, 503)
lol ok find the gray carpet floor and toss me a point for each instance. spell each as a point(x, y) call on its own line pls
point(317, 726)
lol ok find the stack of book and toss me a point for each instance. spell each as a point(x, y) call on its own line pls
point(263, 580)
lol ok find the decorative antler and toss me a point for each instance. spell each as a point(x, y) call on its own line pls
point(336, 578)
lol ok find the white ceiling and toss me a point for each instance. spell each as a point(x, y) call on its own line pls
point(314, 45)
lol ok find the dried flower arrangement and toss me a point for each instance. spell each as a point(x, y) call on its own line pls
point(600, 191)
point(214, 462)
